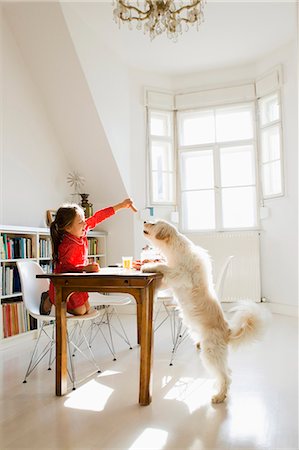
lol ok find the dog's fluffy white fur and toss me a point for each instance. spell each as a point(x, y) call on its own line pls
point(188, 272)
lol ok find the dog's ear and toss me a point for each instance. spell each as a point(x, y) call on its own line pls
point(163, 235)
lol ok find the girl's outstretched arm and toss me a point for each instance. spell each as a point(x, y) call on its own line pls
point(127, 203)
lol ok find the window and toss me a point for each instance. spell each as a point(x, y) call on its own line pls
point(161, 157)
point(270, 145)
point(217, 161)
point(222, 160)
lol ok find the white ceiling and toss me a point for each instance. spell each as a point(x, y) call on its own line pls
point(234, 33)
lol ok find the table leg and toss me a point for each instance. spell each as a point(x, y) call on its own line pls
point(61, 344)
point(138, 305)
point(146, 345)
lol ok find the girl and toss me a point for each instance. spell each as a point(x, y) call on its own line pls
point(70, 249)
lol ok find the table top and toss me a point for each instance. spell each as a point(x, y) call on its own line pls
point(109, 272)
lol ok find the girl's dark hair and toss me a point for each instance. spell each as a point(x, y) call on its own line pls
point(64, 218)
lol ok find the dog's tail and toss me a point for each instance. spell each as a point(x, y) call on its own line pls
point(248, 323)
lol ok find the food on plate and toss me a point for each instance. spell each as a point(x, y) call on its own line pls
point(137, 264)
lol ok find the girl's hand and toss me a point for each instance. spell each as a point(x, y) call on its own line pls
point(93, 267)
point(127, 203)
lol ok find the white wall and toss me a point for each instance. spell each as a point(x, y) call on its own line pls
point(279, 239)
point(108, 81)
point(33, 166)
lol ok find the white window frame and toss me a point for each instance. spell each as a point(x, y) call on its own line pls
point(261, 127)
point(168, 139)
point(215, 147)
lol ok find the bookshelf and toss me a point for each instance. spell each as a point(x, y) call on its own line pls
point(29, 243)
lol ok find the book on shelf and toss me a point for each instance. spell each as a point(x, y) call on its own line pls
point(10, 280)
point(15, 247)
point(2, 249)
point(4, 237)
point(45, 248)
point(16, 319)
point(93, 246)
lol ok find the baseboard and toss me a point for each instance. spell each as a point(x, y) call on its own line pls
point(280, 308)
point(21, 338)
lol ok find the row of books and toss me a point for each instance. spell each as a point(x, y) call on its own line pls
point(15, 247)
point(16, 319)
point(9, 280)
point(45, 249)
point(93, 246)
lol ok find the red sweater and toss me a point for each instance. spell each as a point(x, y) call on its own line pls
point(73, 251)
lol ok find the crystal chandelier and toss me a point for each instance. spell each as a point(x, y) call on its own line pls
point(158, 16)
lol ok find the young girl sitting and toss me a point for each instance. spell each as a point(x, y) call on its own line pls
point(70, 250)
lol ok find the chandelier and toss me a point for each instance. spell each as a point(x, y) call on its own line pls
point(158, 16)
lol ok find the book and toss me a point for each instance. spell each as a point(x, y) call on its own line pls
point(2, 249)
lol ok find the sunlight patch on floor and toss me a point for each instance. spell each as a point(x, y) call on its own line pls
point(165, 380)
point(193, 392)
point(92, 396)
point(150, 438)
point(108, 373)
point(249, 420)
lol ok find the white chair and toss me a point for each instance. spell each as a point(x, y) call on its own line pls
point(32, 289)
point(166, 299)
point(107, 305)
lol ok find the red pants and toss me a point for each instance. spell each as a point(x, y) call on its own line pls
point(75, 300)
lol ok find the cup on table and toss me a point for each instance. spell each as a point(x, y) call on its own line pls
point(127, 262)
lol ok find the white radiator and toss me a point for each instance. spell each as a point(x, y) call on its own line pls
point(243, 277)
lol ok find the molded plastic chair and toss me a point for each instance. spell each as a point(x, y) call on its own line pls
point(32, 289)
point(166, 299)
point(220, 282)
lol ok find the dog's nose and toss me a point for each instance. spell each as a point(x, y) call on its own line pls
point(144, 222)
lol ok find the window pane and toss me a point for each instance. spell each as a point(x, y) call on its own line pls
point(196, 128)
point(199, 210)
point(269, 109)
point(270, 143)
point(161, 156)
point(160, 123)
point(234, 124)
point(271, 175)
point(237, 166)
point(239, 207)
point(162, 187)
point(197, 170)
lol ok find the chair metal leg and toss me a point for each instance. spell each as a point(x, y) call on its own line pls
point(51, 349)
point(179, 335)
point(124, 336)
point(35, 360)
point(72, 374)
point(75, 339)
point(109, 330)
point(106, 319)
point(98, 325)
point(74, 345)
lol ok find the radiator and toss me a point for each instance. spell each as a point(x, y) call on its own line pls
point(243, 279)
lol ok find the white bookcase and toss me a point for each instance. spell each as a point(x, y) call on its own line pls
point(22, 243)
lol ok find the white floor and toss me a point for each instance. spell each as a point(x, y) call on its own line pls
point(103, 413)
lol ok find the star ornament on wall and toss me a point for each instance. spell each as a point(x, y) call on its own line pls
point(76, 181)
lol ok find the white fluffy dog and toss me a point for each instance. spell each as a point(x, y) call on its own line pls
point(188, 272)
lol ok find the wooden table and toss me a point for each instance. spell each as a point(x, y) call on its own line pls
point(141, 286)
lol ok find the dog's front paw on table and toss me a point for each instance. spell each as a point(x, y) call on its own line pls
point(149, 268)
